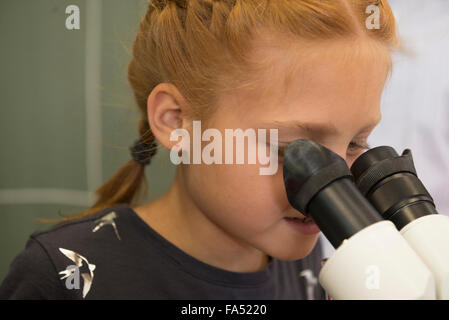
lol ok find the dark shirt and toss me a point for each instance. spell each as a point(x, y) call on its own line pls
point(119, 256)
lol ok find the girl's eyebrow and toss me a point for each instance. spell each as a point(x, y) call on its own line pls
point(318, 127)
point(309, 127)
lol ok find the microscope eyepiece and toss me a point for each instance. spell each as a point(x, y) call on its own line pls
point(390, 183)
point(368, 159)
point(308, 168)
point(319, 184)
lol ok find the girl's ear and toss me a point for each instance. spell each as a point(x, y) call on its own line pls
point(165, 112)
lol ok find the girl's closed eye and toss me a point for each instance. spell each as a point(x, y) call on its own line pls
point(357, 147)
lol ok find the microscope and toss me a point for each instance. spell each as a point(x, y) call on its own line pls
point(390, 241)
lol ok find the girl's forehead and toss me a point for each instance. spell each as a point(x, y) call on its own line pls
point(337, 79)
point(284, 64)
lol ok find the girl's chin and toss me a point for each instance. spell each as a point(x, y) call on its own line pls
point(295, 252)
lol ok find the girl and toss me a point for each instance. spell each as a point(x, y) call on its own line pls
point(308, 68)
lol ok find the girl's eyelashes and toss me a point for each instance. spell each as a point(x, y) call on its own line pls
point(358, 146)
point(355, 146)
point(280, 148)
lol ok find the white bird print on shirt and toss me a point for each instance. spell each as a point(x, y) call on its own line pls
point(78, 260)
point(105, 220)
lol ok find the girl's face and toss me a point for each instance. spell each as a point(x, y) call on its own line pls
point(333, 99)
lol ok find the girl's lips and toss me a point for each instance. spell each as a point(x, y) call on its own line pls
point(302, 218)
point(308, 228)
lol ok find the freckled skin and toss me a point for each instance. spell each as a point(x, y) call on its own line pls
point(230, 216)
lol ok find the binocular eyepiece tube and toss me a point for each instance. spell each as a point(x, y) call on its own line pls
point(391, 185)
point(360, 211)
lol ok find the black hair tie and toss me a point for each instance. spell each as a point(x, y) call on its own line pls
point(142, 153)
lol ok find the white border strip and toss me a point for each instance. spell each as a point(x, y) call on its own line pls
point(45, 196)
point(93, 89)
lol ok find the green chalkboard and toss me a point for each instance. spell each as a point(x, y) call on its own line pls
point(67, 114)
